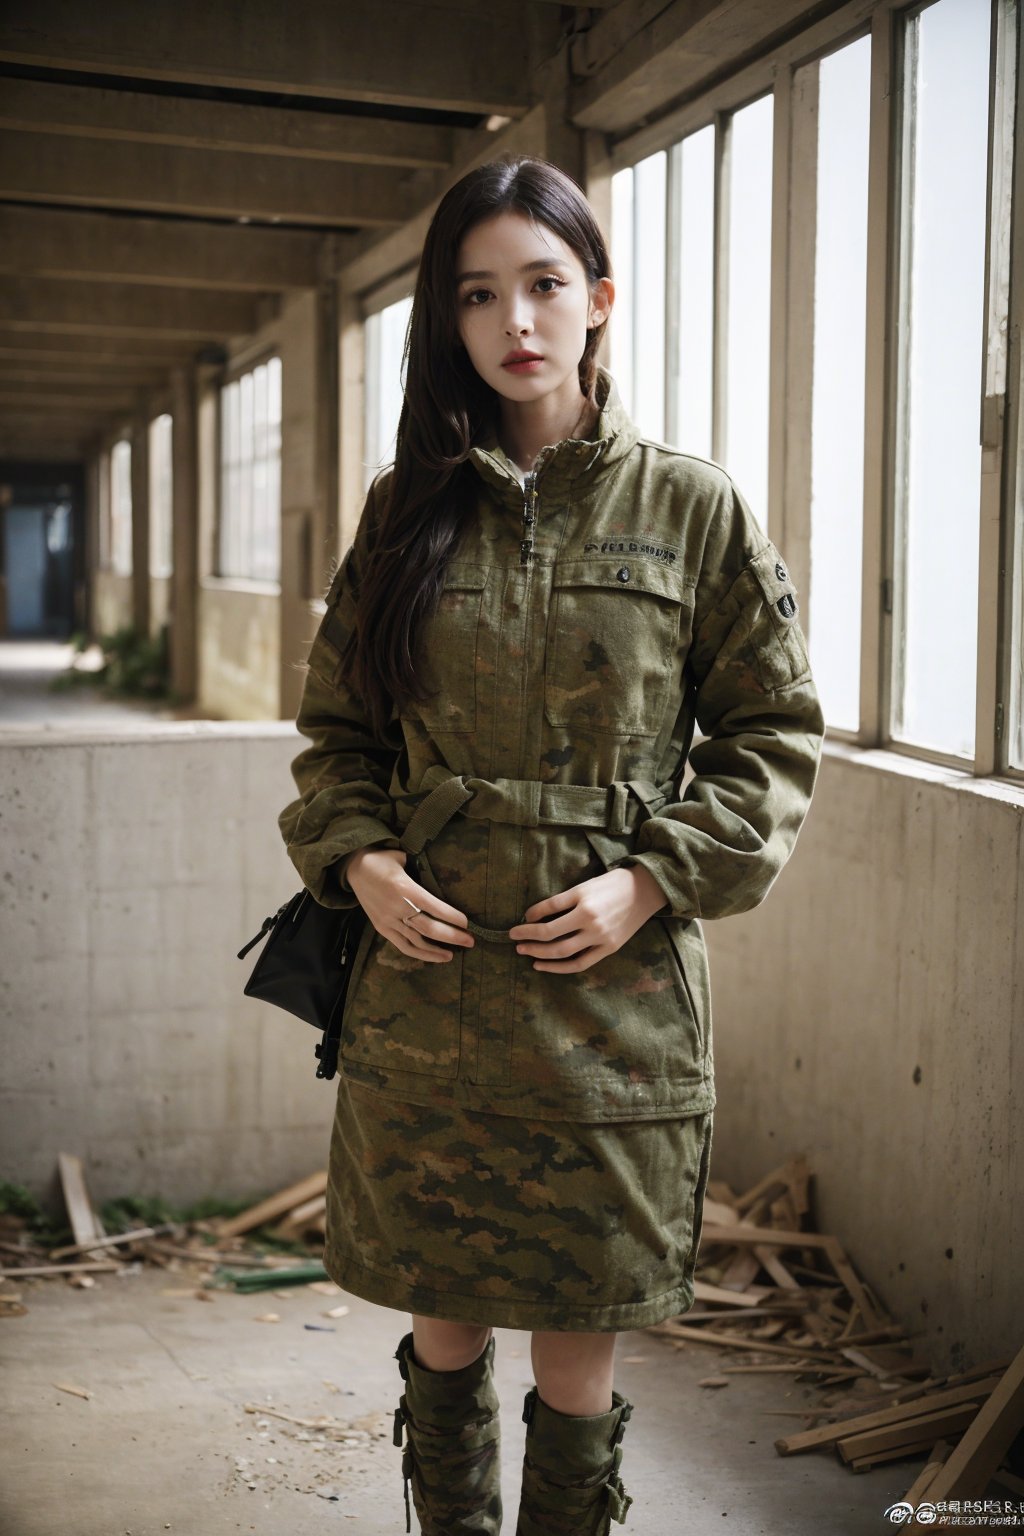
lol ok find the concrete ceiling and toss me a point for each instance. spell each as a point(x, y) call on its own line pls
point(168, 171)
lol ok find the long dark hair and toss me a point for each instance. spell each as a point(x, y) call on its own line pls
point(446, 410)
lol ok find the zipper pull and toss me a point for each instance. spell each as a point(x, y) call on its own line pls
point(529, 516)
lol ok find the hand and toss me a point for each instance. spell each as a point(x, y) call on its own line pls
point(597, 917)
point(378, 880)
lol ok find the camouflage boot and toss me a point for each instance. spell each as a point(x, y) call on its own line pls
point(451, 1453)
point(571, 1481)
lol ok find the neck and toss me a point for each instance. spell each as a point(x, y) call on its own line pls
point(527, 427)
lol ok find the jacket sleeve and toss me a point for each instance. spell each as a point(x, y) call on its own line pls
point(343, 775)
point(718, 850)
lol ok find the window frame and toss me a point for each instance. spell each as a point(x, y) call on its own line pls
point(787, 514)
point(233, 374)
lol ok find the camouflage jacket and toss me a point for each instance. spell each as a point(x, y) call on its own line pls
point(588, 620)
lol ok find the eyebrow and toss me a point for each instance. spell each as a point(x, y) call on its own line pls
point(531, 266)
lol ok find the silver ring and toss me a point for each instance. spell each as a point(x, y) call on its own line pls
point(409, 916)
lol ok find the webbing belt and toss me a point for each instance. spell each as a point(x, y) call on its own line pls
point(615, 808)
point(526, 803)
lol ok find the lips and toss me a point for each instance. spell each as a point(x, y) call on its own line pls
point(522, 362)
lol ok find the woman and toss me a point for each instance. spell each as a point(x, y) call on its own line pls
point(537, 605)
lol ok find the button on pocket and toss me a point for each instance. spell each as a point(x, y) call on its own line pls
point(617, 638)
point(448, 651)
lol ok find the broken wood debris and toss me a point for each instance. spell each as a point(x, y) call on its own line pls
point(299, 1212)
point(820, 1321)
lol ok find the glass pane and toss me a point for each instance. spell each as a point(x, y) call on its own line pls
point(384, 336)
point(394, 322)
point(695, 168)
point(837, 413)
point(1016, 636)
point(160, 496)
point(649, 192)
point(745, 439)
point(121, 507)
point(620, 336)
point(942, 317)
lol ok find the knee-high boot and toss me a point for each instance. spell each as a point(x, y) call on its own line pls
point(571, 1481)
point(452, 1450)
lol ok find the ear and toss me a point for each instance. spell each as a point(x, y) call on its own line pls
point(602, 298)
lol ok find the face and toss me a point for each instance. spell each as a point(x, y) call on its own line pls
point(522, 290)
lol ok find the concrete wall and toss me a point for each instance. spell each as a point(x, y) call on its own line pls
point(111, 601)
point(870, 1015)
point(133, 869)
point(159, 602)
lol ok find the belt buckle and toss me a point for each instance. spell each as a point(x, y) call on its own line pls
point(617, 821)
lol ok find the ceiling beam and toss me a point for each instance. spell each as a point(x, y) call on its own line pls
point(645, 57)
point(113, 350)
point(86, 376)
point(144, 118)
point(66, 402)
point(47, 168)
point(57, 242)
point(423, 53)
point(96, 309)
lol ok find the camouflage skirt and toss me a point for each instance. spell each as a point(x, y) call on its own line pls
point(516, 1223)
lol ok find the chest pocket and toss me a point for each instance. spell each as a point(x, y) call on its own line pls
point(618, 634)
point(448, 652)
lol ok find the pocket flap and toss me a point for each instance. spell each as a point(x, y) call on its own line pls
point(637, 572)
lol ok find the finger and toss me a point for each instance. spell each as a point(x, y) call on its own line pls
point(555, 927)
point(558, 949)
point(581, 962)
point(557, 903)
point(403, 938)
point(433, 928)
point(435, 905)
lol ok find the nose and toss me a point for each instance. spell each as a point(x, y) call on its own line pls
point(518, 318)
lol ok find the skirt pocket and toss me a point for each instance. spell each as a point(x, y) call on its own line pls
point(402, 1014)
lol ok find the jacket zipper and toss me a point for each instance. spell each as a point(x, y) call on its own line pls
point(529, 516)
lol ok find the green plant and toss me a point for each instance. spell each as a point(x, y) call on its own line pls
point(134, 665)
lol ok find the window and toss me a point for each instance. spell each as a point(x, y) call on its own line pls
point(160, 560)
point(663, 256)
point(691, 293)
point(103, 511)
point(841, 82)
point(250, 474)
point(385, 344)
point(121, 508)
point(847, 356)
point(944, 158)
point(744, 447)
point(638, 333)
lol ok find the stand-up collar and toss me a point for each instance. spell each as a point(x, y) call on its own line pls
point(573, 458)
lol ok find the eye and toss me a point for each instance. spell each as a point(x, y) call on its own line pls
point(558, 282)
point(475, 297)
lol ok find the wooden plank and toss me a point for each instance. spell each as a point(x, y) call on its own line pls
point(970, 1465)
point(944, 1421)
point(58, 1269)
point(274, 1206)
point(85, 1223)
point(919, 1487)
point(828, 1434)
point(111, 1242)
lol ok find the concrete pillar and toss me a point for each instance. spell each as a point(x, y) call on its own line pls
point(184, 594)
point(326, 516)
point(140, 522)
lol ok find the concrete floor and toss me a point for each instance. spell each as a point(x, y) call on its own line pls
point(28, 666)
point(165, 1443)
